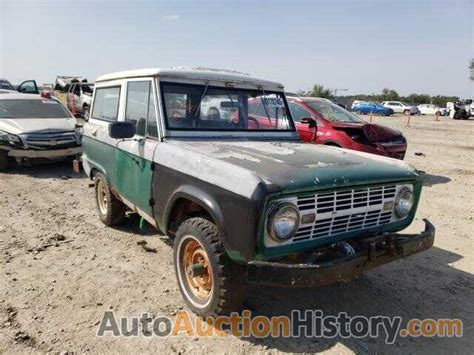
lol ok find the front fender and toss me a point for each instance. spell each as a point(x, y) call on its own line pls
point(199, 197)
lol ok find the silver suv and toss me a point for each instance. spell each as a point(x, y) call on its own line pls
point(401, 107)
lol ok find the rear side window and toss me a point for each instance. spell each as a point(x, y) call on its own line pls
point(106, 103)
point(140, 108)
point(32, 109)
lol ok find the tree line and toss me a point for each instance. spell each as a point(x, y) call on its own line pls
point(386, 95)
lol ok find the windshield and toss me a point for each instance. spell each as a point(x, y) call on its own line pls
point(333, 112)
point(32, 109)
point(205, 108)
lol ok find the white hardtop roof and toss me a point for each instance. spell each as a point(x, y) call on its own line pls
point(191, 73)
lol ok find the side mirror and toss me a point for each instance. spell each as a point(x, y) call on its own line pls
point(311, 122)
point(121, 130)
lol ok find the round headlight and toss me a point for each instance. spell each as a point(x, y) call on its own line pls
point(283, 222)
point(403, 202)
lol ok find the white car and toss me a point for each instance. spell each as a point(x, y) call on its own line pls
point(430, 109)
point(355, 103)
point(401, 107)
point(79, 98)
point(35, 128)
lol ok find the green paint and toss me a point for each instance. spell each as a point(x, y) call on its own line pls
point(130, 175)
point(100, 155)
point(142, 223)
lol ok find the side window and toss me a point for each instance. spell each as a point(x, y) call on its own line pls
point(298, 112)
point(136, 107)
point(140, 108)
point(151, 126)
point(106, 103)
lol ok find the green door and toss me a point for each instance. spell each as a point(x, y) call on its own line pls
point(134, 157)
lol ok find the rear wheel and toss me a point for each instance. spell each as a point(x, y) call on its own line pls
point(111, 209)
point(3, 160)
point(210, 283)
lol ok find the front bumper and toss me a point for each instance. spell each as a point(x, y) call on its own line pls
point(43, 154)
point(396, 151)
point(375, 251)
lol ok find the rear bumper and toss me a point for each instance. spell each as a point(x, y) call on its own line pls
point(376, 251)
point(43, 154)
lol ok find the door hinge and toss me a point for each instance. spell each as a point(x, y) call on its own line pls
point(151, 202)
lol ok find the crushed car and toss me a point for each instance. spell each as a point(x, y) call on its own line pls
point(79, 98)
point(242, 198)
point(34, 128)
point(321, 121)
point(63, 82)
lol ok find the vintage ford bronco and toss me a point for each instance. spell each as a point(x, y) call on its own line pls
point(243, 199)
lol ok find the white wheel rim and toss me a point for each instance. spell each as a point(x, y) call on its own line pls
point(102, 196)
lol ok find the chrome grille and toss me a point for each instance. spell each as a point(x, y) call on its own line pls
point(51, 140)
point(345, 211)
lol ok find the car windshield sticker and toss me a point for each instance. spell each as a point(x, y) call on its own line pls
point(49, 102)
point(273, 101)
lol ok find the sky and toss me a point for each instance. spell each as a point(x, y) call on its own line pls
point(363, 46)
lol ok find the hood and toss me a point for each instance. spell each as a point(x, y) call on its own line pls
point(282, 166)
point(40, 125)
point(373, 132)
point(378, 133)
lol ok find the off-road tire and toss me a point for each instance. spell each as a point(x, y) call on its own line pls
point(114, 213)
point(3, 160)
point(228, 284)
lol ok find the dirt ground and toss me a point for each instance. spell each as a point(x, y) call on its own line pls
point(61, 268)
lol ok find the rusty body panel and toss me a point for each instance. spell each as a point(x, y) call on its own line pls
point(236, 179)
point(296, 166)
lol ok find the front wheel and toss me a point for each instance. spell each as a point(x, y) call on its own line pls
point(210, 283)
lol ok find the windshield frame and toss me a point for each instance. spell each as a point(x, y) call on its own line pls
point(289, 133)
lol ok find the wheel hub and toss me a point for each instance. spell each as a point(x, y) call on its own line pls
point(197, 269)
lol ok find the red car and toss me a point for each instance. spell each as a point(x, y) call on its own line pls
point(323, 122)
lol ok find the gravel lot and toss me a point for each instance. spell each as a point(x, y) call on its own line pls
point(61, 268)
